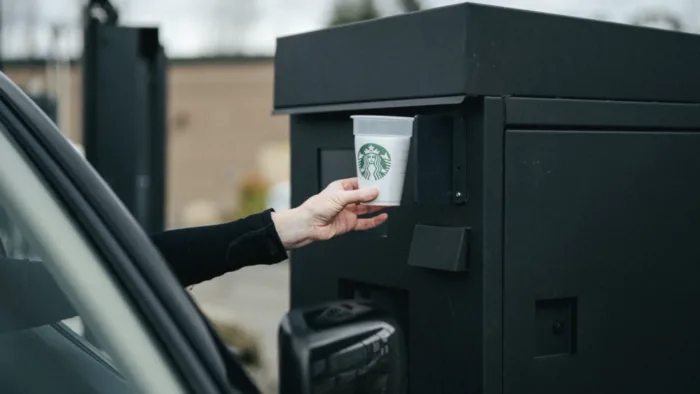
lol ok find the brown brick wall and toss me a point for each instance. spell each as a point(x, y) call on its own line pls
point(218, 118)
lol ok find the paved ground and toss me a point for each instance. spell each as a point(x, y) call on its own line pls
point(257, 298)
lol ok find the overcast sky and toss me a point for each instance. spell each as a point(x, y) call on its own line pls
point(197, 27)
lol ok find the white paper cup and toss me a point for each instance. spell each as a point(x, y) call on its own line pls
point(381, 152)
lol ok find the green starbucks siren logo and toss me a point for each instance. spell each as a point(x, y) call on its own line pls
point(373, 161)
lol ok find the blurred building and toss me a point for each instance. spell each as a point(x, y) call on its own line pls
point(219, 122)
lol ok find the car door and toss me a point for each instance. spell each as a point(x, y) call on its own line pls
point(105, 268)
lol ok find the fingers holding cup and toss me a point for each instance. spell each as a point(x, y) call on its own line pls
point(370, 223)
point(349, 184)
point(362, 209)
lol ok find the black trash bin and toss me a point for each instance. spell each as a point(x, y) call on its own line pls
point(547, 241)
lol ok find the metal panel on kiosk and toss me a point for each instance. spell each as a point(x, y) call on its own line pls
point(605, 240)
point(124, 82)
point(563, 149)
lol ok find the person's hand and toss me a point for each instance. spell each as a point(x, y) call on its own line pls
point(330, 213)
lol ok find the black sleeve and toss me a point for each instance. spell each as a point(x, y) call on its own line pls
point(198, 254)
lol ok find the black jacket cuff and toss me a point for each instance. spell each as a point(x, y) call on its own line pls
point(260, 245)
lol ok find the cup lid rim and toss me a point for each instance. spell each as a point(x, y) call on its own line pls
point(381, 117)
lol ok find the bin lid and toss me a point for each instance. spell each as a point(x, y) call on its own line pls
point(444, 54)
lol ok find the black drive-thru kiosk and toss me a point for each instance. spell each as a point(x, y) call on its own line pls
point(549, 235)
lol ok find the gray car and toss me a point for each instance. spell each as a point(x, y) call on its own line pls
point(88, 255)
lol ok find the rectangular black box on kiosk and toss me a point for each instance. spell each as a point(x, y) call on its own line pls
point(555, 159)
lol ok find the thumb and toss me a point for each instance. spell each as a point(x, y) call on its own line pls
point(347, 197)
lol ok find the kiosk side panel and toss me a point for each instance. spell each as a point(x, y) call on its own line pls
point(601, 261)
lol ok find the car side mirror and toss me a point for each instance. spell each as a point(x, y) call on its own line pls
point(344, 347)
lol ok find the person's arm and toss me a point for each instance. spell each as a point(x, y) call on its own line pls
point(198, 254)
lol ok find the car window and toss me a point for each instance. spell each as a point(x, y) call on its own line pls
point(12, 244)
point(16, 249)
point(65, 324)
point(40, 330)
